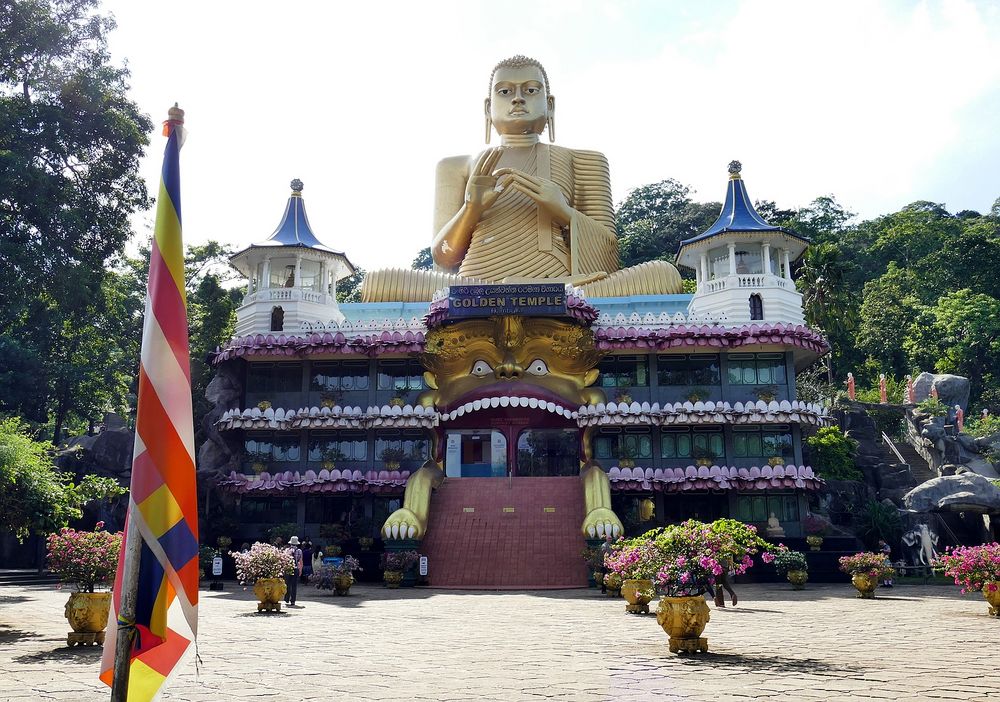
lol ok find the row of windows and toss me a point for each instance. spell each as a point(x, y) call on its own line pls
point(345, 446)
point(693, 370)
point(707, 443)
point(616, 372)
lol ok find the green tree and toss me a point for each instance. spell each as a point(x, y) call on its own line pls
point(349, 289)
point(889, 307)
point(830, 453)
point(423, 261)
point(828, 300)
point(655, 218)
point(70, 143)
point(35, 497)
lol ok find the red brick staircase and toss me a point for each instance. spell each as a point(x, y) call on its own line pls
point(506, 534)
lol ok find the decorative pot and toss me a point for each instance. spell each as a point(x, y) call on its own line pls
point(328, 402)
point(624, 399)
point(798, 578)
point(993, 598)
point(397, 402)
point(366, 543)
point(613, 584)
point(392, 578)
point(87, 613)
point(775, 461)
point(329, 465)
point(269, 592)
point(703, 462)
point(637, 594)
point(626, 463)
point(391, 465)
point(342, 583)
point(684, 619)
point(814, 541)
point(865, 585)
point(264, 405)
point(599, 578)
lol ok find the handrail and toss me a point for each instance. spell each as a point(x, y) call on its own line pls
point(887, 440)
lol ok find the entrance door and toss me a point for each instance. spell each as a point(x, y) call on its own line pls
point(476, 453)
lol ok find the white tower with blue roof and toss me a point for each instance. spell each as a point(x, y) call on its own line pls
point(292, 276)
point(743, 265)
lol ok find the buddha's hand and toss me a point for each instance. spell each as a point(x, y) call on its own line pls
point(403, 524)
point(543, 191)
point(601, 521)
point(481, 191)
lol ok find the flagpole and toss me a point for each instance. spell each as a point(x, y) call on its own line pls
point(126, 612)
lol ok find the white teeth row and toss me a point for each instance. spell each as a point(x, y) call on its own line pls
point(532, 402)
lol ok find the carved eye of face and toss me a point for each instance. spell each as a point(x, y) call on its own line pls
point(538, 367)
point(481, 369)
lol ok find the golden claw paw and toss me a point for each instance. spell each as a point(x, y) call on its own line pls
point(403, 524)
point(602, 521)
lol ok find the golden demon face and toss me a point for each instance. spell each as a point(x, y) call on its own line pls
point(521, 362)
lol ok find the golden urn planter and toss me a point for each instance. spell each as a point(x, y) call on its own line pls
point(865, 586)
point(87, 613)
point(684, 619)
point(599, 578)
point(638, 594)
point(342, 583)
point(798, 578)
point(392, 578)
point(814, 542)
point(993, 598)
point(269, 592)
point(613, 584)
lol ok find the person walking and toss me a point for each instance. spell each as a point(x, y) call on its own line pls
point(607, 548)
point(723, 584)
point(886, 551)
point(307, 560)
point(292, 580)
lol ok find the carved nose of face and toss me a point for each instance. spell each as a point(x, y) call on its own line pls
point(509, 370)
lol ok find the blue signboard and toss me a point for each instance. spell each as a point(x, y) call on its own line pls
point(524, 299)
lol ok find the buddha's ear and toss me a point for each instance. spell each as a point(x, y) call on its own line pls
point(551, 120)
point(489, 122)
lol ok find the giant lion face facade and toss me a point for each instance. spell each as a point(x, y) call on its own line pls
point(522, 362)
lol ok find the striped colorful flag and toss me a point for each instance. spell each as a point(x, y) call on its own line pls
point(163, 505)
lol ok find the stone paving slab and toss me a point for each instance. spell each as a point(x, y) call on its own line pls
point(913, 643)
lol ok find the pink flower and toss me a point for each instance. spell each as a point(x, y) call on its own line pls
point(766, 557)
point(99, 525)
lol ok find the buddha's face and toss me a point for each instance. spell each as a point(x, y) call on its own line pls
point(533, 363)
point(518, 102)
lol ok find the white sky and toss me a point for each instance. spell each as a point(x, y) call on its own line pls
point(879, 104)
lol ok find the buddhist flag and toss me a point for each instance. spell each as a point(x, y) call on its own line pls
point(163, 507)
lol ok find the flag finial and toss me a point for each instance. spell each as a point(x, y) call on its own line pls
point(175, 118)
point(297, 186)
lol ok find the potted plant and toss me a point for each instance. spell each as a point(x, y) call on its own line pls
point(264, 405)
point(815, 527)
point(398, 398)
point(395, 563)
point(330, 455)
point(592, 557)
point(392, 456)
point(976, 569)
point(635, 563)
point(259, 460)
point(703, 456)
point(793, 565)
point(87, 560)
point(329, 399)
point(334, 534)
point(366, 543)
point(339, 577)
point(866, 570)
point(265, 566)
point(766, 393)
point(692, 557)
point(624, 395)
point(696, 395)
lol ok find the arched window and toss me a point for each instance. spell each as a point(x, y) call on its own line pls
point(277, 319)
point(756, 307)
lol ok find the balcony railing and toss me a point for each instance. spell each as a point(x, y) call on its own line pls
point(286, 294)
point(747, 280)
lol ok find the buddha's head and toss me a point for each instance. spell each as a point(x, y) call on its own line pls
point(519, 101)
point(532, 362)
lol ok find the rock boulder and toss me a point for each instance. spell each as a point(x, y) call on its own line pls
point(965, 492)
point(952, 389)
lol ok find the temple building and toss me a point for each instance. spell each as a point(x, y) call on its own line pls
point(508, 398)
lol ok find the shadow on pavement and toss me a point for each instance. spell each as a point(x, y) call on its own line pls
point(761, 663)
point(73, 654)
point(9, 635)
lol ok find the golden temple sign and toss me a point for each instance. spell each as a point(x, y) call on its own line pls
point(525, 300)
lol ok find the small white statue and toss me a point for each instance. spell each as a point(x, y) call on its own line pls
point(774, 526)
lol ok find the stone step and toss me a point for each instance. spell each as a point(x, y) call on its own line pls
point(506, 533)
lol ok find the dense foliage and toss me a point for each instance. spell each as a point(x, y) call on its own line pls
point(831, 452)
point(973, 567)
point(35, 496)
point(785, 559)
point(880, 521)
point(85, 559)
point(875, 565)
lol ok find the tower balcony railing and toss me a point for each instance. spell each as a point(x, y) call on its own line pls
point(287, 294)
point(747, 281)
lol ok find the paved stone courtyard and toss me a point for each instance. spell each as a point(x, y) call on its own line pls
point(915, 643)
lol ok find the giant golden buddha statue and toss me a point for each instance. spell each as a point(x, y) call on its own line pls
point(523, 211)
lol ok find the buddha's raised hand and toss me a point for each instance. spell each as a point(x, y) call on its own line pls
point(481, 190)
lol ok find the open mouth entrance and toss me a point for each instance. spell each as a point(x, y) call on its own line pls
point(498, 447)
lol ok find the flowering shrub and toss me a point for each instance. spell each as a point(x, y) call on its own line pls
point(400, 561)
point(635, 559)
point(975, 568)
point(695, 555)
point(324, 576)
point(785, 559)
point(262, 561)
point(815, 525)
point(87, 559)
point(874, 565)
